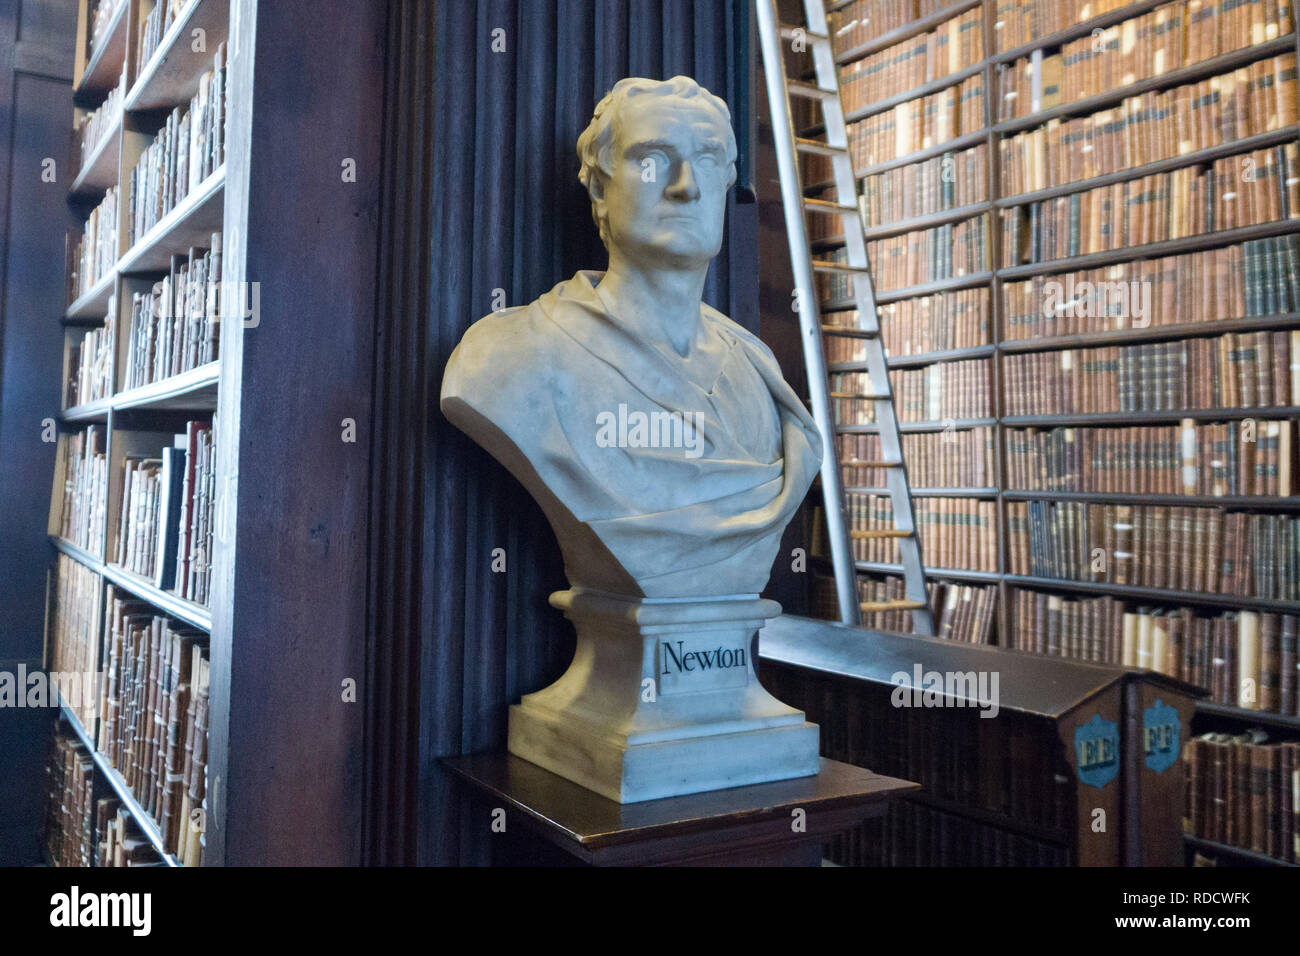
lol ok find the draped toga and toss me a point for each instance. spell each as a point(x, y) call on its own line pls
point(533, 384)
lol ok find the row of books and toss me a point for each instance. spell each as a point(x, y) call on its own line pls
point(154, 27)
point(1191, 458)
point(933, 393)
point(871, 588)
point(175, 326)
point(154, 717)
point(964, 612)
point(919, 326)
point(1018, 22)
point(74, 627)
point(949, 181)
point(90, 129)
point(1251, 189)
point(1201, 550)
point(70, 803)
point(955, 533)
point(909, 127)
point(1236, 370)
point(949, 48)
point(866, 20)
point(1244, 790)
point(90, 362)
point(1255, 278)
point(188, 148)
point(949, 251)
point(954, 458)
point(101, 16)
point(1153, 126)
point(93, 254)
point(81, 831)
point(165, 528)
point(1171, 36)
point(84, 466)
point(1244, 659)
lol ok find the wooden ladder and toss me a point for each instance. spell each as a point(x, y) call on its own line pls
point(815, 38)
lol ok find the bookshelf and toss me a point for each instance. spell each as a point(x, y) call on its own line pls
point(129, 103)
point(1016, 190)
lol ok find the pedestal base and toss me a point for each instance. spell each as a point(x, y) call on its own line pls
point(662, 699)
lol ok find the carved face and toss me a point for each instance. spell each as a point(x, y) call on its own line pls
point(664, 202)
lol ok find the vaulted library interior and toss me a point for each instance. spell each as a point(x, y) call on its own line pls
point(789, 433)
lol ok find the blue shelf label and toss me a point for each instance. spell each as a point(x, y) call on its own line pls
point(1161, 730)
point(1096, 745)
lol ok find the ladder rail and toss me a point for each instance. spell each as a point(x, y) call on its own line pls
point(826, 90)
point(846, 584)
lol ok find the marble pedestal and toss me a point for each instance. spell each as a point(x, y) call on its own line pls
point(662, 699)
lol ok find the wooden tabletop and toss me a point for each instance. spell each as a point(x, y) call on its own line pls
point(567, 812)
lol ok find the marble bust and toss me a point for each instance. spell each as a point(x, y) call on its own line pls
point(664, 447)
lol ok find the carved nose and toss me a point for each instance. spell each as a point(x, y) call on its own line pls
point(683, 185)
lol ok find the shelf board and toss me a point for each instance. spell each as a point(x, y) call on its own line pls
point(927, 88)
point(1153, 250)
point(917, 427)
point(190, 224)
point(100, 171)
point(195, 615)
point(104, 68)
point(927, 221)
point(906, 32)
point(929, 492)
point(983, 577)
point(93, 304)
point(1079, 30)
point(1153, 333)
point(1173, 417)
point(88, 412)
point(1193, 72)
point(1241, 714)
point(954, 145)
point(938, 285)
point(1237, 852)
point(915, 360)
point(195, 390)
point(1249, 144)
point(1160, 595)
point(1250, 502)
point(171, 76)
point(114, 779)
point(77, 553)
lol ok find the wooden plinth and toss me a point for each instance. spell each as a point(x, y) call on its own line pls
point(548, 820)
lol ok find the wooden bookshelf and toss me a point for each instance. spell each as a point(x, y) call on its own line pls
point(998, 274)
point(129, 418)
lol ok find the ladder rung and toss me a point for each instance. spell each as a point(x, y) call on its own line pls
point(818, 147)
point(873, 606)
point(879, 533)
point(866, 398)
point(825, 265)
point(809, 91)
point(850, 331)
point(828, 207)
point(873, 464)
point(802, 33)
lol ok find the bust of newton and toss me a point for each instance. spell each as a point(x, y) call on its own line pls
point(658, 436)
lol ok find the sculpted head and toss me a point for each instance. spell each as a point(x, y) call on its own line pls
point(657, 159)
